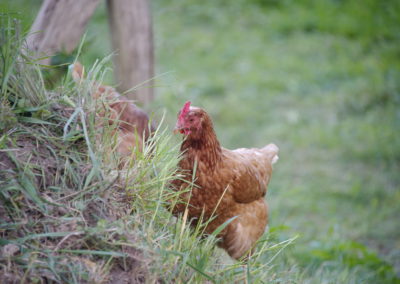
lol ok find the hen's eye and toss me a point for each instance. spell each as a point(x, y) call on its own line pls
point(191, 120)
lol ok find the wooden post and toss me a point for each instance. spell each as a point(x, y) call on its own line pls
point(132, 40)
point(61, 23)
point(59, 26)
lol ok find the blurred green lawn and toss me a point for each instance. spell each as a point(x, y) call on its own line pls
point(321, 79)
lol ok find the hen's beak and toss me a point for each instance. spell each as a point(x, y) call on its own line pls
point(178, 128)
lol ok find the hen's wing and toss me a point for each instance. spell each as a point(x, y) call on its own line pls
point(252, 169)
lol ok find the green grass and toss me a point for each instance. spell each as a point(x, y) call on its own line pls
point(320, 79)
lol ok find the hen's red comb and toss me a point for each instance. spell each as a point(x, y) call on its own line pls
point(184, 110)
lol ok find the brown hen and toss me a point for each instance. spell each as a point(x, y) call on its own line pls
point(228, 183)
point(131, 123)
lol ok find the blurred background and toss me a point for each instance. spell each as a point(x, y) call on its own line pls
point(321, 79)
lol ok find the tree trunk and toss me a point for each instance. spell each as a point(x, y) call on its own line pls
point(59, 26)
point(132, 40)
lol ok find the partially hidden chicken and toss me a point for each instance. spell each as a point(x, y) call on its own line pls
point(229, 185)
point(130, 123)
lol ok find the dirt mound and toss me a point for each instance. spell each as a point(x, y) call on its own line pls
point(54, 221)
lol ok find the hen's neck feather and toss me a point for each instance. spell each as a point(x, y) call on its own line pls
point(205, 148)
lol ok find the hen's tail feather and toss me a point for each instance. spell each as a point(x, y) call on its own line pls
point(272, 151)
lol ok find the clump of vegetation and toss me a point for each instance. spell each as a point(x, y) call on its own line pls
point(69, 216)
